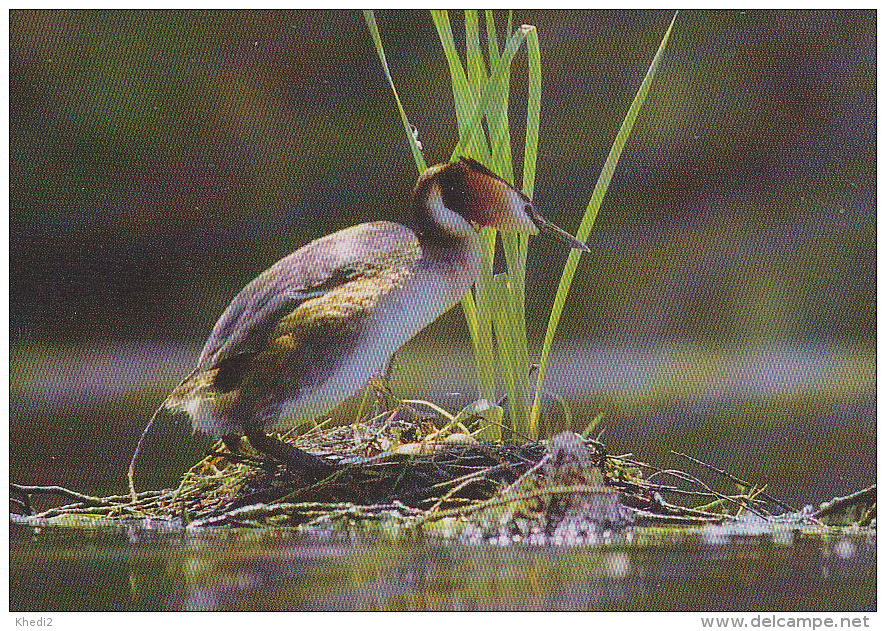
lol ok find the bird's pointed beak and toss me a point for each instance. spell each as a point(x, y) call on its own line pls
point(553, 230)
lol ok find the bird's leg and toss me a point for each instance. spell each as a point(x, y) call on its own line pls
point(383, 386)
point(386, 376)
point(232, 442)
point(292, 457)
point(384, 398)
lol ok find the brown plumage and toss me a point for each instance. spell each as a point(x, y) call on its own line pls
point(308, 332)
point(283, 332)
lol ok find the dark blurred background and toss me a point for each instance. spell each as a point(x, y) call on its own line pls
point(160, 160)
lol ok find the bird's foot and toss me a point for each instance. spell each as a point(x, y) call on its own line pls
point(294, 458)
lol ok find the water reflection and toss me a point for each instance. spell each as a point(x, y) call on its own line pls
point(655, 569)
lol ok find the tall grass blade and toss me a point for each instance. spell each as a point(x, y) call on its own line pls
point(489, 99)
point(465, 100)
point(589, 217)
point(533, 115)
point(517, 245)
point(369, 16)
point(469, 112)
point(476, 67)
point(494, 104)
point(507, 336)
point(475, 116)
point(492, 39)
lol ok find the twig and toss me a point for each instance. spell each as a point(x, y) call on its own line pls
point(842, 503)
point(735, 479)
point(503, 500)
point(682, 475)
point(678, 519)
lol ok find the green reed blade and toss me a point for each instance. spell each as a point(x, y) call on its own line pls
point(492, 104)
point(508, 340)
point(533, 116)
point(465, 101)
point(476, 67)
point(477, 312)
point(589, 217)
point(476, 114)
point(369, 16)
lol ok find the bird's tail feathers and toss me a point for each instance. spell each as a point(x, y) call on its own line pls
point(166, 405)
point(199, 397)
point(188, 394)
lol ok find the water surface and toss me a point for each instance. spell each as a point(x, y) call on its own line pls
point(647, 569)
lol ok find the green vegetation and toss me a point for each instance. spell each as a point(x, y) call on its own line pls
point(379, 453)
point(498, 302)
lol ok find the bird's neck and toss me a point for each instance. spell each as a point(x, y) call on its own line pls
point(449, 244)
point(456, 261)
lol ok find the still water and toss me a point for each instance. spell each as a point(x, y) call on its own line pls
point(646, 569)
point(801, 419)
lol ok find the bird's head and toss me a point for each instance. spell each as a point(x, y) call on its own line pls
point(461, 197)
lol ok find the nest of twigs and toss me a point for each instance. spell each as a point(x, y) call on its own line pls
point(401, 470)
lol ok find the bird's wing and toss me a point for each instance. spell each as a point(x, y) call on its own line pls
point(311, 272)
